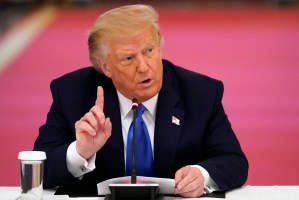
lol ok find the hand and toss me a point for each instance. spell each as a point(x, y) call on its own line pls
point(189, 182)
point(93, 129)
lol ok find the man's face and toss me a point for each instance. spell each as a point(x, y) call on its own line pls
point(135, 65)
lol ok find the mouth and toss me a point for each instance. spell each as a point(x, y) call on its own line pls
point(146, 82)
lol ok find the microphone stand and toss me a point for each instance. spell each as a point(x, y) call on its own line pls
point(133, 175)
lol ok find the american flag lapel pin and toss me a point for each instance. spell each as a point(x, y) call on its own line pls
point(175, 120)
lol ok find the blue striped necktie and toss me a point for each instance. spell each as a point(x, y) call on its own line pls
point(143, 157)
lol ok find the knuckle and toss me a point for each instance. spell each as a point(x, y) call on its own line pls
point(78, 124)
point(87, 115)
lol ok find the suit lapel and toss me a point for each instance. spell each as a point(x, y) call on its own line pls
point(169, 120)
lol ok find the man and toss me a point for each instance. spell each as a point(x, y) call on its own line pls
point(191, 138)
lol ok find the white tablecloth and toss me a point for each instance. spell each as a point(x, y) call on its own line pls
point(244, 193)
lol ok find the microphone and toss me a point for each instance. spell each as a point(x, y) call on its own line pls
point(134, 108)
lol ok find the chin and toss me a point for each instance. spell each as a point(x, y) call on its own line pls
point(146, 94)
point(146, 97)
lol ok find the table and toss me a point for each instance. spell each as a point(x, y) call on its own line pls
point(244, 193)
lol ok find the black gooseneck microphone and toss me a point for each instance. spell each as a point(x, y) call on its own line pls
point(134, 108)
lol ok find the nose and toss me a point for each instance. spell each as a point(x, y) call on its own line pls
point(141, 64)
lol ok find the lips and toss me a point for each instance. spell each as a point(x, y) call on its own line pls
point(146, 82)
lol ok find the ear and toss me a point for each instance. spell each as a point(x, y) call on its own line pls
point(104, 67)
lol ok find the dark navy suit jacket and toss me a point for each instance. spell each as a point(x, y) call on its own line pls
point(204, 135)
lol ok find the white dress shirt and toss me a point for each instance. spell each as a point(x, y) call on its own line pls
point(78, 166)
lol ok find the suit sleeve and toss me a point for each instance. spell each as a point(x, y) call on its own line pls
point(54, 138)
point(224, 159)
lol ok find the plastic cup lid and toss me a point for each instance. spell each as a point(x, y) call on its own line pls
point(32, 155)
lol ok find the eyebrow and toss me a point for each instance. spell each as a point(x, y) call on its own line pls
point(128, 51)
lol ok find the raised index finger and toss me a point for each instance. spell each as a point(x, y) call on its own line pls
point(100, 97)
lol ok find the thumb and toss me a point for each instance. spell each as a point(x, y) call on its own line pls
point(178, 177)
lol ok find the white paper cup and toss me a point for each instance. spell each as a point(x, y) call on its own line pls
point(32, 172)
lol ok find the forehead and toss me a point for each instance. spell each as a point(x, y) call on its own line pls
point(140, 40)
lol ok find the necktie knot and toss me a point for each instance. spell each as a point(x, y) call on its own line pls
point(140, 110)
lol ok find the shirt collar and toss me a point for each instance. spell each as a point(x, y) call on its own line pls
point(126, 105)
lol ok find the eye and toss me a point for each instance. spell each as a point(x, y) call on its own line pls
point(149, 51)
point(127, 60)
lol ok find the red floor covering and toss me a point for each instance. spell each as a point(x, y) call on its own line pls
point(254, 51)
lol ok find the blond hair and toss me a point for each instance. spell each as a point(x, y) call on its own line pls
point(117, 23)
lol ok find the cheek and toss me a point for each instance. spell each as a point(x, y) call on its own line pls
point(123, 79)
point(158, 69)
